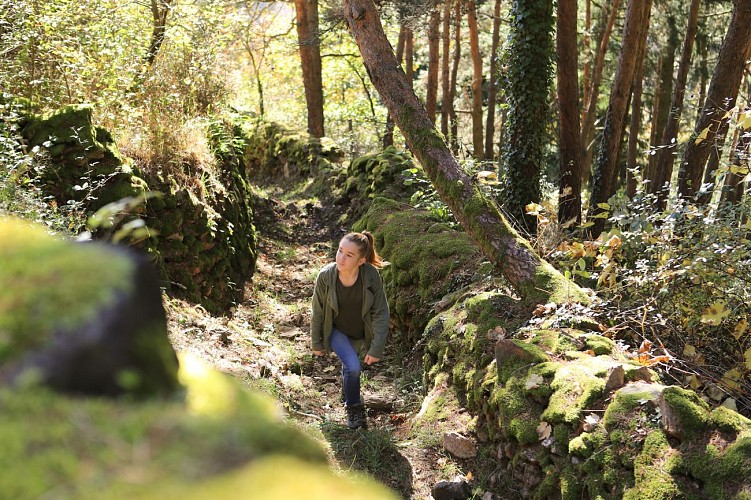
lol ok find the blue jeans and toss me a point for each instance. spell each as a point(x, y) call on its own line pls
point(342, 346)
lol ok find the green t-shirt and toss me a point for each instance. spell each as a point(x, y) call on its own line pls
point(349, 320)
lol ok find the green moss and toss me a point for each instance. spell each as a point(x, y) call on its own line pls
point(600, 345)
point(57, 286)
point(728, 420)
point(690, 410)
point(575, 388)
point(630, 405)
point(652, 481)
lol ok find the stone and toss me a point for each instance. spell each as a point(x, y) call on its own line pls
point(615, 379)
point(457, 489)
point(458, 445)
point(83, 318)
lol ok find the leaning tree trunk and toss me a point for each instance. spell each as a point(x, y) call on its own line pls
point(721, 97)
point(533, 278)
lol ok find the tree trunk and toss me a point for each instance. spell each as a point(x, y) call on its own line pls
point(474, 45)
point(388, 136)
point(593, 93)
point(603, 187)
point(665, 154)
point(662, 110)
point(454, 74)
point(732, 191)
point(587, 70)
point(535, 280)
point(569, 193)
point(431, 99)
point(632, 166)
point(310, 59)
point(530, 53)
point(409, 56)
point(445, 69)
point(721, 97)
point(493, 83)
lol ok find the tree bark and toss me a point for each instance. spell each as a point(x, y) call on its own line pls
point(474, 45)
point(431, 99)
point(569, 193)
point(603, 186)
point(493, 83)
point(665, 154)
point(454, 74)
point(662, 109)
point(721, 97)
point(310, 59)
point(445, 69)
point(632, 165)
point(535, 280)
point(593, 93)
point(388, 136)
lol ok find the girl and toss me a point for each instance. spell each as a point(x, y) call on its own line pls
point(349, 309)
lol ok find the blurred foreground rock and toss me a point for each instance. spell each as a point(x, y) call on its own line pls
point(79, 321)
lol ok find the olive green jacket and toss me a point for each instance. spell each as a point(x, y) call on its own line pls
point(375, 309)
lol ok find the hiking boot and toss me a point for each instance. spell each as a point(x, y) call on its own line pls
point(356, 417)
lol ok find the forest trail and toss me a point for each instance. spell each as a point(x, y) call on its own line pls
point(266, 343)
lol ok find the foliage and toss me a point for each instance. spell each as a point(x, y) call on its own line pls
point(680, 280)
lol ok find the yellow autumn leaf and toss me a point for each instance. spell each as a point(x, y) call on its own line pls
point(744, 120)
point(740, 329)
point(614, 242)
point(714, 314)
point(689, 351)
point(533, 209)
point(747, 357)
point(603, 206)
point(739, 170)
point(693, 382)
point(731, 378)
point(702, 136)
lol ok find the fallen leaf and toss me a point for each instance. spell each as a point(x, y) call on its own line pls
point(590, 422)
point(534, 381)
point(714, 314)
point(740, 329)
point(544, 430)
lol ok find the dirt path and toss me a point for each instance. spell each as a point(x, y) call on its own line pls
point(265, 342)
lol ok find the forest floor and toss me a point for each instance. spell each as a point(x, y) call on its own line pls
point(265, 342)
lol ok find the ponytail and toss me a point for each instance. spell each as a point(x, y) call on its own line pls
point(366, 243)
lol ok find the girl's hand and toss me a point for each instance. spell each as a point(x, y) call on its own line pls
point(369, 360)
point(318, 353)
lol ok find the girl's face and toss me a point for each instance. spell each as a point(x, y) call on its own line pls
point(348, 256)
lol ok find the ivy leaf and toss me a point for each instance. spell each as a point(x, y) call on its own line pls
point(714, 314)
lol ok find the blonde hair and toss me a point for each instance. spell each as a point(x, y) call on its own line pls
point(366, 243)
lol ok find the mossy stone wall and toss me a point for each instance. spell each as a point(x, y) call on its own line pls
point(568, 413)
point(206, 247)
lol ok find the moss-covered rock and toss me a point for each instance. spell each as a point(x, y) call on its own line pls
point(81, 318)
point(219, 436)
